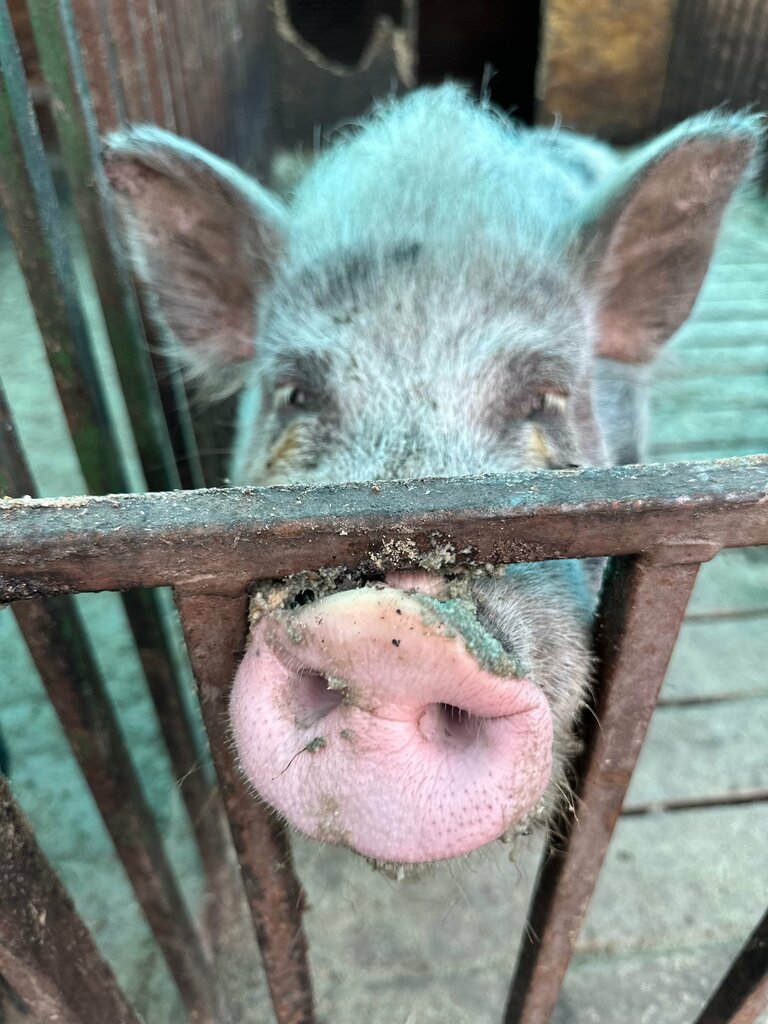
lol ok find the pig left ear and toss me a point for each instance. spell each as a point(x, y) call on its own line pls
point(648, 241)
point(203, 238)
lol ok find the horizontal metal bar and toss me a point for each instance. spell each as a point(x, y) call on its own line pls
point(719, 614)
point(742, 995)
point(275, 896)
point(642, 606)
point(221, 540)
point(741, 796)
point(714, 698)
point(46, 952)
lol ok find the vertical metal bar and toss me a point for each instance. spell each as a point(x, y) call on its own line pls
point(130, 61)
point(159, 412)
point(107, 100)
point(215, 632)
point(54, 37)
point(46, 952)
point(253, 106)
point(189, 67)
point(32, 218)
point(155, 43)
point(216, 69)
point(170, 36)
point(27, 195)
point(231, 56)
point(148, 29)
point(241, 45)
point(642, 606)
point(62, 654)
point(742, 995)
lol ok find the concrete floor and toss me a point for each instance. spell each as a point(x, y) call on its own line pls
point(680, 890)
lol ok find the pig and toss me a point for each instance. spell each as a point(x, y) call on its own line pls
point(445, 294)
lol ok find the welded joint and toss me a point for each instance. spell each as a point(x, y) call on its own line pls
point(680, 552)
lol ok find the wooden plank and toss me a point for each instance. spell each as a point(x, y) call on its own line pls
point(718, 54)
point(694, 752)
point(602, 65)
point(728, 327)
point(716, 361)
point(713, 427)
point(683, 394)
point(734, 580)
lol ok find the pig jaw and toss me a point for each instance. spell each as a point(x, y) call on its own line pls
point(369, 720)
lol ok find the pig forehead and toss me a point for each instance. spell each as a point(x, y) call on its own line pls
point(405, 303)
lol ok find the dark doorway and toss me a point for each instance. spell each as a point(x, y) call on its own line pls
point(493, 42)
point(486, 43)
point(340, 29)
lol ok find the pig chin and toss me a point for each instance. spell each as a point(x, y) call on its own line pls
point(391, 722)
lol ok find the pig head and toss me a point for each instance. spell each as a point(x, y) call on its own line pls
point(445, 294)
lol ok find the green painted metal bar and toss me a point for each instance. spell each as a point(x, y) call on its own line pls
point(26, 193)
point(62, 654)
point(97, 82)
point(56, 43)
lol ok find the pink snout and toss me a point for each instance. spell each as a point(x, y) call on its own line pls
point(366, 721)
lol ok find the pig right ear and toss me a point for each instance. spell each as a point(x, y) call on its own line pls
point(203, 238)
point(648, 239)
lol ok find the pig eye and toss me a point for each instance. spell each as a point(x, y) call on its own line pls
point(291, 396)
point(548, 402)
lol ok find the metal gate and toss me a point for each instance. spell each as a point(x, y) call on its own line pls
point(149, 60)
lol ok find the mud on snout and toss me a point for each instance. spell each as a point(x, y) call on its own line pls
point(387, 719)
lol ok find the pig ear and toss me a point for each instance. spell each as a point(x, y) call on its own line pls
point(203, 238)
point(649, 240)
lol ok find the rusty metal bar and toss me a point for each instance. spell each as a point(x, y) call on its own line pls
point(172, 46)
point(274, 892)
point(117, 68)
point(129, 59)
point(190, 63)
point(641, 608)
point(152, 30)
point(37, 922)
point(62, 655)
point(146, 32)
point(758, 795)
point(27, 194)
point(742, 995)
point(32, 217)
point(59, 58)
point(220, 540)
point(129, 62)
point(106, 94)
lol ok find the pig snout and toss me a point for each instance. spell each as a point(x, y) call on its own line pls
point(389, 721)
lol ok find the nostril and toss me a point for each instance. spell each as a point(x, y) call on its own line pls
point(315, 698)
point(458, 724)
